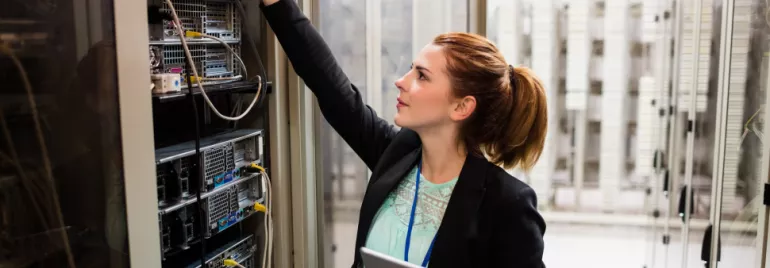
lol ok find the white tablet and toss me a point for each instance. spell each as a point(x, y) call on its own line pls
point(374, 259)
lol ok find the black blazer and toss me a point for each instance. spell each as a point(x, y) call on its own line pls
point(491, 219)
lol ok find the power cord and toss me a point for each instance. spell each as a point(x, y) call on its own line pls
point(178, 26)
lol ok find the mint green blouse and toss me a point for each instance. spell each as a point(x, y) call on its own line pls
point(388, 232)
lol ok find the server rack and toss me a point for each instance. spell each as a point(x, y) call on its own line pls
point(209, 192)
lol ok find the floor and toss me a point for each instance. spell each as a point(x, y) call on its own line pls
point(570, 246)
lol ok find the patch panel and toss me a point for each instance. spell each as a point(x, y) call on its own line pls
point(241, 251)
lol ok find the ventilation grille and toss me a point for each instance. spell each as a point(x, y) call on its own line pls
point(219, 206)
point(218, 161)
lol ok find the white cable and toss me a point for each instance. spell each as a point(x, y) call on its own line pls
point(267, 230)
point(178, 26)
point(267, 261)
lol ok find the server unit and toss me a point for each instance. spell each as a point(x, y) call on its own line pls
point(227, 191)
point(241, 251)
point(212, 60)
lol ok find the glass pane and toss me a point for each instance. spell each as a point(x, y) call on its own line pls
point(61, 184)
point(689, 154)
point(343, 26)
point(744, 127)
point(401, 28)
point(596, 182)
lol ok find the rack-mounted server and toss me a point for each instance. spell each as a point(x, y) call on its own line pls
point(212, 60)
point(241, 251)
point(223, 208)
point(227, 191)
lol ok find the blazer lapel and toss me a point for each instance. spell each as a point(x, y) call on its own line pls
point(379, 190)
point(459, 223)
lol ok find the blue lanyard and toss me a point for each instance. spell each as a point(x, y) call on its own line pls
point(411, 222)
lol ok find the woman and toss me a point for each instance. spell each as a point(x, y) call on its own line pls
point(459, 102)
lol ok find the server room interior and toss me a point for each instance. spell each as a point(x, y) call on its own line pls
point(63, 184)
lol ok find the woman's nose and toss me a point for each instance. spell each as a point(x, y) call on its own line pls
point(400, 83)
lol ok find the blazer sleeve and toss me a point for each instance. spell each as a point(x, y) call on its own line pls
point(518, 240)
point(340, 102)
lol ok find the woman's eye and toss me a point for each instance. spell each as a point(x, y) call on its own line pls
point(421, 76)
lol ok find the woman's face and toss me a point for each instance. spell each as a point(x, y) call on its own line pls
point(425, 98)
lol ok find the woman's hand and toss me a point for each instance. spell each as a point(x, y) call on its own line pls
point(269, 2)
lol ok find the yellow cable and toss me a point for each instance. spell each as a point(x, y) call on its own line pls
point(192, 34)
point(259, 207)
point(232, 263)
point(260, 168)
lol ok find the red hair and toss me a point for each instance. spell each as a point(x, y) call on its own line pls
point(510, 121)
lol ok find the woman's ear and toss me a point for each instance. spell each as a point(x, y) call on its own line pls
point(463, 108)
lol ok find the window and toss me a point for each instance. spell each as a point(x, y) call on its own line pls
point(374, 42)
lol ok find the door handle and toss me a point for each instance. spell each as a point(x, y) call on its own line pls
point(705, 251)
point(682, 196)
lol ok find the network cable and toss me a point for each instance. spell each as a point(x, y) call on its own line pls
point(269, 216)
point(267, 250)
point(232, 263)
point(178, 26)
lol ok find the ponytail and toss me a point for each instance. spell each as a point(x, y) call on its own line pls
point(510, 121)
point(520, 140)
